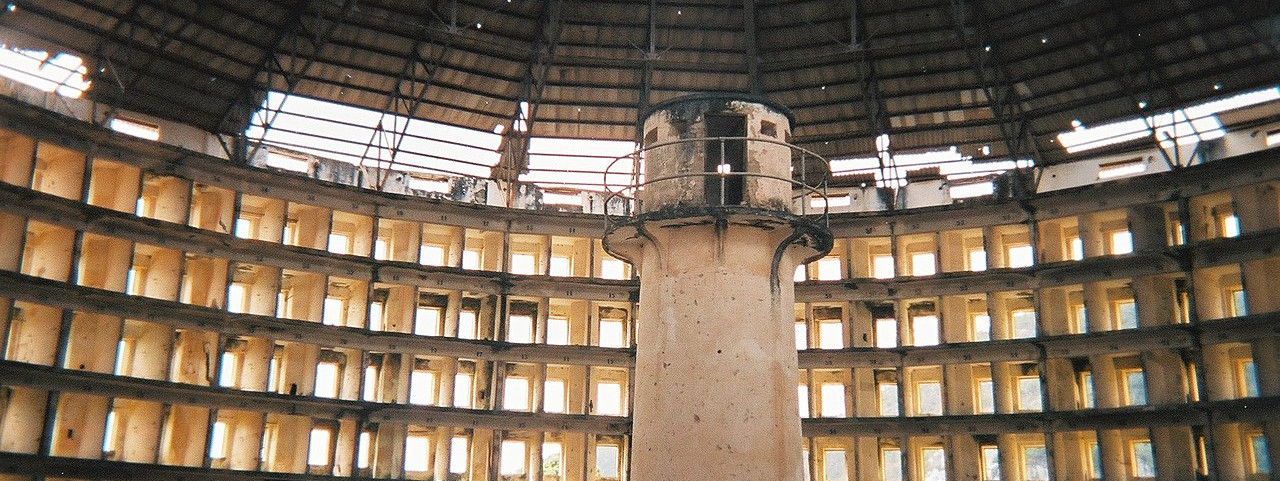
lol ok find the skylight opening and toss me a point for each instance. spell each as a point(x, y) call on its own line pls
point(439, 186)
point(950, 162)
point(1187, 126)
point(818, 202)
point(558, 198)
point(62, 73)
point(285, 161)
point(350, 134)
point(135, 128)
point(520, 123)
point(578, 163)
point(1121, 169)
point(966, 191)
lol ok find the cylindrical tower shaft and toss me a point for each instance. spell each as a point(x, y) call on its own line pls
point(715, 244)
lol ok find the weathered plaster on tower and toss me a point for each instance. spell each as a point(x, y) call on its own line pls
point(716, 360)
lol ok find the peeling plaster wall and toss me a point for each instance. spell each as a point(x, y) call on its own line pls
point(686, 119)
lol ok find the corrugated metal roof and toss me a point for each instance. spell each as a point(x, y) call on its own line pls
point(932, 73)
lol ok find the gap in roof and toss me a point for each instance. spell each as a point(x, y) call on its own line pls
point(890, 169)
point(62, 73)
point(1183, 126)
point(352, 134)
point(579, 163)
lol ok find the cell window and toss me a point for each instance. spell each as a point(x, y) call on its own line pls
point(934, 462)
point(1035, 463)
point(612, 333)
point(431, 255)
point(1121, 242)
point(990, 463)
point(925, 331)
point(335, 311)
point(515, 394)
point(834, 466)
point(891, 464)
point(462, 390)
point(1259, 456)
point(218, 441)
point(830, 269)
point(552, 459)
point(830, 335)
point(326, 384)
point(520, 329)
point(1029, 398)
point(1247, 375)
point(369, 386)
point(1024, 323)
point(511, 458)
point(929, 398)
point(1144, 460)
point(1087, 399)
point(1230, 225)
point(888, 398)
point(363, 453)
point(607, 456)
point(613, 269)
point(1095, 461)
point(459, 455)
point(981, 327)
point(553, 397)
point(471, 259)
point(986, 397)
point(561, 266)
point(1126, 314)
point(609, 399)
point(886, 333)
point(1135, 387)
point(318, 448)
point(422, 387)
point(977, 260)
point(833, 400)
point(426, 321)
point(557, 331)
point(228, 368)
point(882, 267)
point(923, 264)
point(467, 325)
point(1020, 255)
point(339, 244)
point(524, 264)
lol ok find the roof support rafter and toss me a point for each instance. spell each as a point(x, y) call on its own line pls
point(291, 74)
point(246, 98)
point(515, 144)
point(123, 33)
point(872, 98)
point(1123, 72)
point(996, 83)
point(646, 74)
point(753, 50)
point(405, 100)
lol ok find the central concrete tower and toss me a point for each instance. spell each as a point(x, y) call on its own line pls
point(716, 239)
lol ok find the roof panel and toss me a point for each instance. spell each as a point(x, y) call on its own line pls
point(923, 67)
